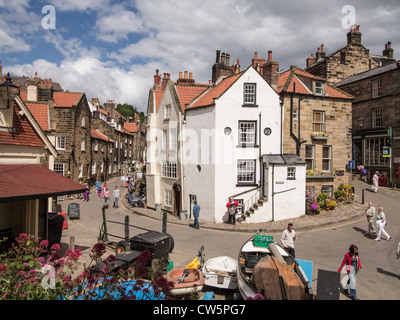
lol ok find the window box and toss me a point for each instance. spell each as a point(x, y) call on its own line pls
point(319, 136)
point(319, 175)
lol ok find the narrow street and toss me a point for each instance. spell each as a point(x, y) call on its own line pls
point(325, 247)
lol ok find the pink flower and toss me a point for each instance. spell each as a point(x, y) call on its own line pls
point(44, 243)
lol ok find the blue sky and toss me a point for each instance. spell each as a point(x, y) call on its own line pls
point(111, 49)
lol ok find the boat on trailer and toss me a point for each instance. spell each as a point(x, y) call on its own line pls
point(186, 281)
point(268, 269)
point(220, 272)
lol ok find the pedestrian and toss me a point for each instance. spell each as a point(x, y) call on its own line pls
point(375, 181)
point(116, 193)
point(106, 197)
point(370, 214)
point(353, 264)
point(287, 238)
point(232, 207)
point(99, 191)
point(381, 223)
point(86, 194)
point(196, 213)
point(122, 181)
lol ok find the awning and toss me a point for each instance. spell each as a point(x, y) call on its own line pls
point(33, 181)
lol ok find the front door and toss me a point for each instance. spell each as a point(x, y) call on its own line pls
point(193, 198)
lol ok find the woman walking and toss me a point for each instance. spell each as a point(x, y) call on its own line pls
point(353, 264)
point(381, 223)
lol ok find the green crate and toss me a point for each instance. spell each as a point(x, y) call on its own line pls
point(261, 240)
point(170, 265)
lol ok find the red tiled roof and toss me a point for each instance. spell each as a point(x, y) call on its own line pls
point(289, 77)
point(131, 127)
point(40, 112)
point(187, 93)
point(213, 93)
point(158, 94)
point(24, 135)
point(65, 99)
point(33, 181)
point(98, 135)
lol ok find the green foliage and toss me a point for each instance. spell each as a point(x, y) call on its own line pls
point(128, 110)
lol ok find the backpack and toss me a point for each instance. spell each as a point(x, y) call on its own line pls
point(232, 209)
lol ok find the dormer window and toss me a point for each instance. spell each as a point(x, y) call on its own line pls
point(249, 98)
point(167, 112)
point(319, 88)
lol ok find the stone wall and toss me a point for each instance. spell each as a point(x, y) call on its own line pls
point(338, 122)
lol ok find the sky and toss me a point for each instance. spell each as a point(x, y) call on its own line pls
point(111, 49)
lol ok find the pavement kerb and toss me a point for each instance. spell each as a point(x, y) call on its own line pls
point(250, 228)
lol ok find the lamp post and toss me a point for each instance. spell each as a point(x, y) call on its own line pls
point(8, 92)
point(360, 121)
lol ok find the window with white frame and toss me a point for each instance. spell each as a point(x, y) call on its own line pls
point(247, 132)
point(111, 146)
point(168, 198)
point(373, 152)
point(80, 171)
point(168, 169)
point(102, 147)
point(327, 158)
point(94, 167)
point(319, 88)
point(83, 120)
point(59, 168)
point(376, 88)
point(96, 145)
point(83, 144)
point(249, 93)
point(164, 140)
point(328, 190)
point(310, 156)
point(246, 171)
point(60, 143)
point(319, 121)
point(291, 173)
point(376, 118)
point(295, 114)
point(167, 112)
point(172, 139)
point(102, 167)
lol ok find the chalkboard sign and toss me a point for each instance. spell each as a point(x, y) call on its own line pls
point(74, 211)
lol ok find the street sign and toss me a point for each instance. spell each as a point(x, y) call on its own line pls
point(386, 152)
point(351, 164)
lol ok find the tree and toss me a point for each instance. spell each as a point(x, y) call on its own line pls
point(128, 110)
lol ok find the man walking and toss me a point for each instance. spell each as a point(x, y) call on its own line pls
point(116, 193)
point(370, 213)
point(287, 238)
point(196, 213)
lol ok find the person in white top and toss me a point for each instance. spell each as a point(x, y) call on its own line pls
point(375, 181)
point(287, 239)
point(381, 223)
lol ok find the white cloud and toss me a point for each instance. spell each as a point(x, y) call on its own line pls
point(79, 5)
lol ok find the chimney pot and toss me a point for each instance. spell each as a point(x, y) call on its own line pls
point(186, 74)
point(190, 75)
point(269, 55)
point(180, 75)
point(218, 56)
point(322, 48)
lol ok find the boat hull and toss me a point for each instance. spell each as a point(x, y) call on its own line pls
point(220, 272)
point(184, 285)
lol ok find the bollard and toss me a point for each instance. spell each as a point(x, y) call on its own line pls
point(72, 243)
point(363, 196)
point(127, 228)
point(164, 223)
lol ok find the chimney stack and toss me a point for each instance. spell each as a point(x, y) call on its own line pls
point(164, 81)
point(185, 79)
point(388, 52)
point(270, 71)
point(221, 68)
point(354, 36)
point(157, 79)
point(310, 60)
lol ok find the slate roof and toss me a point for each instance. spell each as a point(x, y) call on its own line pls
point(369, 73)
point(283, 159)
